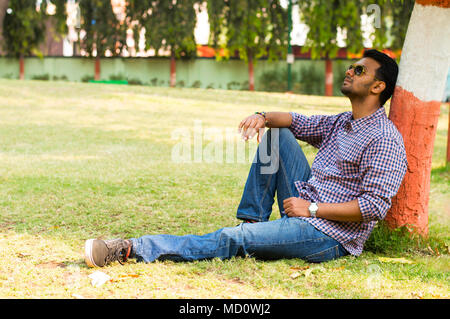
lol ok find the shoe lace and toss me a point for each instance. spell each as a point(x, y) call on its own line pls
point(117, 252)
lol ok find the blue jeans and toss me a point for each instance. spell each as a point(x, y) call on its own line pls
point(278, 163)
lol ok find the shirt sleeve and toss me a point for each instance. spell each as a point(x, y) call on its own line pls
point(383, 167)
point(312, 129)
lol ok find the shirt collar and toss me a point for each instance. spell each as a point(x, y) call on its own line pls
point(356, 125)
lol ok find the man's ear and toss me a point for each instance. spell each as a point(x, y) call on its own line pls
point(378, 87)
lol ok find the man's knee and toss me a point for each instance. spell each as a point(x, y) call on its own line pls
point(280, 133)
point(283, 138)
point(231, 233)
point(277, 143)
point(285, 133)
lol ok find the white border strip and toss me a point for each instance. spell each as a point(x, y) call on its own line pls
point(425, 58)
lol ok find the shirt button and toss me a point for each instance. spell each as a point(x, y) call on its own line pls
point(348, 126)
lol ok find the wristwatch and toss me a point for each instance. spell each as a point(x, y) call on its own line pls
point(313, 209)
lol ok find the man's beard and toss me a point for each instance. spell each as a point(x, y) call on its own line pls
point(346, 90)
point(347, 86)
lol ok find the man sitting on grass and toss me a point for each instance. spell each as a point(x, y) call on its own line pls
point(327, 210)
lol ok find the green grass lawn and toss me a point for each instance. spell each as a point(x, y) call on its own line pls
point(90, 160)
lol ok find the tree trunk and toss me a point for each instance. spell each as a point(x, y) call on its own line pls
point(328, 77)
point(3, 6)
point(415, 108)
point(21, 67)
point(448, 135)
point(251, 76)
point(173, 73)
point(97, 68)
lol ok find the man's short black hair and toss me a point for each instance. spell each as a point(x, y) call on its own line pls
point(387, 72)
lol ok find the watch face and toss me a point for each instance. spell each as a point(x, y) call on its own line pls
point(313, 209)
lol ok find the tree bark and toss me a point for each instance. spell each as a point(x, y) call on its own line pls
point(3, 6)
point(448, 135)
point(21, 67)
point(173, 73)
point(415, 108)
point(251, 75)
point(97, 68)
point(328, 77)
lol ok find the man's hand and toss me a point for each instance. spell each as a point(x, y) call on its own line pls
point(296, 207)
point(253, 124)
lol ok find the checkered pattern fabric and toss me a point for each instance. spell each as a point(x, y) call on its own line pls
point(361, 159)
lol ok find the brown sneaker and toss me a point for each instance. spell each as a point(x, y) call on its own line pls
point(99, 253)
point(247, 221)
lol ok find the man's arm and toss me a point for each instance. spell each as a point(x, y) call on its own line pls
point(278, 119)
point(341, 212)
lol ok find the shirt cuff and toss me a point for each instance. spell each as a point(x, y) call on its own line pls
point(297, 123)
point(366, 208)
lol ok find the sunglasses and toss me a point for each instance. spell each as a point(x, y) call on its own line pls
point(359, 70)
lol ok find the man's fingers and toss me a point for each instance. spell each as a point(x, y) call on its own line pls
point(260, 135)
point(249, 130)
point(244, 123)
point(240, 125)
point(287, 205)
point(288, 211)
point(249, 126)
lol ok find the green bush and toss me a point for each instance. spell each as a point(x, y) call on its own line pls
point(311, 80)
point(9, 76)
point(154, 81)
point(245, 86)
point(197, 84)
point(59, 78)
point(307, 80)
point(42, 77)
point(118, 77)
point(134, 81)
point(87, 78)
point(272, 81)
point(233, 85)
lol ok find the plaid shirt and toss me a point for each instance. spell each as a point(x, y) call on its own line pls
point(361, 159)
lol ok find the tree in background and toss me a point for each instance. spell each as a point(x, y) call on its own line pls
point(135, 11)
point(254, 28)
point(394, 18)
point(169, 26)
point(104, 32)
point(60, 17)
point(3, 7)
point(324, 18)
point(23, 30)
